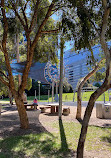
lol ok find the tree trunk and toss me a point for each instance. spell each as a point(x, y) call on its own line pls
point(61, 78)
point(24, 123)
point(10, 98)
point(83, 81)
point(78, 114)
point(87, 116)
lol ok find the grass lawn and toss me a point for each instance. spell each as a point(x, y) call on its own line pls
point(69, 97)
point(55, 144)
point(66, 97)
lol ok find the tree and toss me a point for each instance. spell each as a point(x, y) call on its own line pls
point(99, 75)
point(106, 84)
point(35, 23)
point(80, 86)
point(66, 86)
point(91, 25)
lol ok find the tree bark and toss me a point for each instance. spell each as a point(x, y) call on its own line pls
point(24, 123)
point(10, 98)
point(105, 86)
point(30, 51)
point(83, 81)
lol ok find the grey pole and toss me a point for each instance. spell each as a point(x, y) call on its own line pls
point(35, 93)
point(48, 95)
point(104, 98)
point(61, 77)
point(0, 108)
point(56, 88)
point(39, 91)
point(52, 90)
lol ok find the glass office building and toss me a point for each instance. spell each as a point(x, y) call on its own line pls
point(76, 64)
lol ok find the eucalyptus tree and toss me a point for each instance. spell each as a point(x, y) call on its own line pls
point(80, 86)
point(31, 18)
point(92, 24)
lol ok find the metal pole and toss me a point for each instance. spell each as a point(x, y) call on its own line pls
point(104, 98)
point(52, 90)
point(74, 96)
point(56, 88)
point(108, 95)
point(0, 108)
point(35, 93)
point(48, 95)
point(39, 91)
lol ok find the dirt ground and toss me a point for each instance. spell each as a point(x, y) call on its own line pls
point(93, 120)
point(9, 124)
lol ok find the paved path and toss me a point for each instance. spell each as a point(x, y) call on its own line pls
point(71, 103)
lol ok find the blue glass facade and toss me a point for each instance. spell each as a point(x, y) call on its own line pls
point(75, 63)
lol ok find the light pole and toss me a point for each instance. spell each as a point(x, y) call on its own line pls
point(35, 93)
point(104, 92)
point(39, 88)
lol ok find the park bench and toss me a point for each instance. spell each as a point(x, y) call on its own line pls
point(32, 106)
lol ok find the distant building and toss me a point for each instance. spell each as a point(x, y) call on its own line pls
point(76, 65)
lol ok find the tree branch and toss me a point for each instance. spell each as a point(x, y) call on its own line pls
point(29, 62)
point(1, 48)
point(50, 31)
point(25, 5)
point(16, 13)
point(81, 84)
point(5, 26)
point(4, 82)
point(85, 10)
point(42, 25)
point(4, 75)
point(4, 41)
point(34, 15)
point(103, 33)
point(25, 17)
point(104, 3)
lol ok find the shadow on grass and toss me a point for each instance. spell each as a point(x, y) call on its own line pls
point(7, 107)
point(10, 125)
point(64, 146)
point(79, 120)
point(31, 146)
point(107, 129)
point(35, 142)
point(104, 126)
point(107, 139)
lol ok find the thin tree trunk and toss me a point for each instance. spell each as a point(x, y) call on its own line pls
point(105, 86)
point(83, 81)
point(61, 78)
point(30, 51)
point(24, 123)
point(10, 98)
point(87, 115)
point(56, 88)
point(17, 56)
